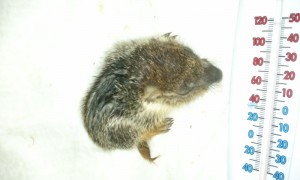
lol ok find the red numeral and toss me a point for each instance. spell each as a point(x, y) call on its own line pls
point(256, 80)
point(291, 56)
point(289, 75)
point(260, 20)
point(259, 41)
point(287, 93)
point(293, 37)
point(258, 61)
point(294, 17)
point(254, 98)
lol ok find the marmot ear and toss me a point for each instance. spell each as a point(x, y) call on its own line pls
point(168, 35)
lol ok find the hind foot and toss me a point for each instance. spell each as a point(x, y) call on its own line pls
point(144, 150)
point(143, 146)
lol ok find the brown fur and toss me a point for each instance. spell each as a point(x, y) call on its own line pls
point(141, 81)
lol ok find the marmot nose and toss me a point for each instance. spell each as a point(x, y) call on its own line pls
point(214, 74)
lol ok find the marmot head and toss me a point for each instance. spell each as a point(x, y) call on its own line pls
point(175, 74)
point(158, 70)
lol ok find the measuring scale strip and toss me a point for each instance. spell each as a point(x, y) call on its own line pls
point(277, 157)
point(261, 59)
point(283, 122)
point(264, 133)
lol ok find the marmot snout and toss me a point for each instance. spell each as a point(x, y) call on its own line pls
point(141, 81)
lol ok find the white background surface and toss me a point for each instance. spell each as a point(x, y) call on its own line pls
point(49, 53)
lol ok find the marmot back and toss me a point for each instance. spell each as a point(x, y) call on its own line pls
point(140, 82)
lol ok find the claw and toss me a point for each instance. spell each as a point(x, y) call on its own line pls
point(168, 124)
point(168, 35)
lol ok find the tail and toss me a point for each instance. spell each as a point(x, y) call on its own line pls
point(144, 150)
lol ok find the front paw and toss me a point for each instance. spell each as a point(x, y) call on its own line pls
point(166, 125)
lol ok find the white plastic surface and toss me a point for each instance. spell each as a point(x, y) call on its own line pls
point(49, 52)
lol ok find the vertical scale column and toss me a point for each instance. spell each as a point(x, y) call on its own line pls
point(269, 110)
point(286, 98)
point(266, 63)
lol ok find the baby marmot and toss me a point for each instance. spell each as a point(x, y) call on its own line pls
point(141, 81)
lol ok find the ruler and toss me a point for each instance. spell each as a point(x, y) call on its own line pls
point(265, 92)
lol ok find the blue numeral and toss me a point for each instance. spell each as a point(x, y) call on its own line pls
point(280, 159)
point(283, 127)
point(282, 144)
point(250, 133)
point(278, 175)
point(252, 116)
point(249, 150)
point(248, 167)
point(285, 110)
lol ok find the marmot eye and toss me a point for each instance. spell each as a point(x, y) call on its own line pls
point(186, 88)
